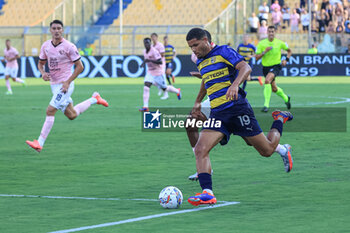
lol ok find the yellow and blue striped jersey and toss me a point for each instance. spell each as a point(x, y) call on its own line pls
point(218, 71)
point(169, 53)
point(245, 51)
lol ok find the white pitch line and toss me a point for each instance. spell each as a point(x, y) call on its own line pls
point(79, 198)
point(143, 218)
point(84, 198)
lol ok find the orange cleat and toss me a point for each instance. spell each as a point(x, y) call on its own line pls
point(260, 81)
point(203, 198)
point(35, 145)
point(101, 101)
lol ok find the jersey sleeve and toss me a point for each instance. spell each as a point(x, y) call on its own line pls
point(157, 54)
point(231, 56)
point(284, 45)
point(42, 55)
point(73, 53)
point(16, 51)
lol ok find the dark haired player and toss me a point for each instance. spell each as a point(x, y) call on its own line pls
point(223, 70)
point(154, 74)
point(269, 50)
point(61, 55)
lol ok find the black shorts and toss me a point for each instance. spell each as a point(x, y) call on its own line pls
point(276, 69)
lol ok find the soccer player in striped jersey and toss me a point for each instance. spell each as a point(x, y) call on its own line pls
point(61, 55)
point(170, 54)
point(247, 50)
point(223, 70)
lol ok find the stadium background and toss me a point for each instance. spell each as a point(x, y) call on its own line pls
point(103, 161)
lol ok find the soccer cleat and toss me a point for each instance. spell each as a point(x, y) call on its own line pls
point(9, 93)
point(101, 101)
point(144, 109)
point(179, 95)
point(165, 97)
point(173, 78)
point(287, 158)
point(288, 103)
point(260, 81)
point(287, 116)
point(265, 109)
point(193, 177)
point(203, 198)
point(35, 145)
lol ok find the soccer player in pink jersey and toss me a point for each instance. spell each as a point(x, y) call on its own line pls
point(154, 74)
point(161, 49)
point(11, 69)
point(61, 55)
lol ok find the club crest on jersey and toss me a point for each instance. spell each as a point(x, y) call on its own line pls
point(213, 60)
point(61, 52)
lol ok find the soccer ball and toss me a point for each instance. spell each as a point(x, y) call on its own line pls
point(170, 197)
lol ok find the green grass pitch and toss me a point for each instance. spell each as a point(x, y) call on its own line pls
point(103, 153)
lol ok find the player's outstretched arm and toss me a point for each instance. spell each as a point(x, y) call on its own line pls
point(244, 71)
point(78, 69)
point(259, 56)
point(196, 74)
point(289, 54)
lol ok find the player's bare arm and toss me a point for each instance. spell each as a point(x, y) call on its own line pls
point(78, 69)
point(196, 74)
point(159, 61)
point(259, 56)
point(41, 67)
point(244, 71)
point(289, 54)
point(196, 111)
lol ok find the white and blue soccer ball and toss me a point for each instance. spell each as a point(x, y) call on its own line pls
point(170, 197)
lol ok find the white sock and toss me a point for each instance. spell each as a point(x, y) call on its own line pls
point(41, 141)
point(172, 89)
point(19, 80)
point(165, 95)
point(280, 149)
point(93, 100)
point(208, 191)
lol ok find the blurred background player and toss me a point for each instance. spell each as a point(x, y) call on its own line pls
point(170, 54)
point(161, 49)
point(247, 50)
point(11, 69)
point(269, 50)
point(154, 74)
point(61, 55)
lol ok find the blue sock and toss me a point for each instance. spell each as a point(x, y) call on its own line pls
point(278, 125)
point(244, 84)
point(205, 181)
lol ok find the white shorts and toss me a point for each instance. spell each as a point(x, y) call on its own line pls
point(156, 80)
point(294, 28)
point(59, 99)
point(205, 108)
point(12, 72)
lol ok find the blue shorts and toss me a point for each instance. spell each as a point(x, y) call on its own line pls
point(169, 65)
point(238, 119)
